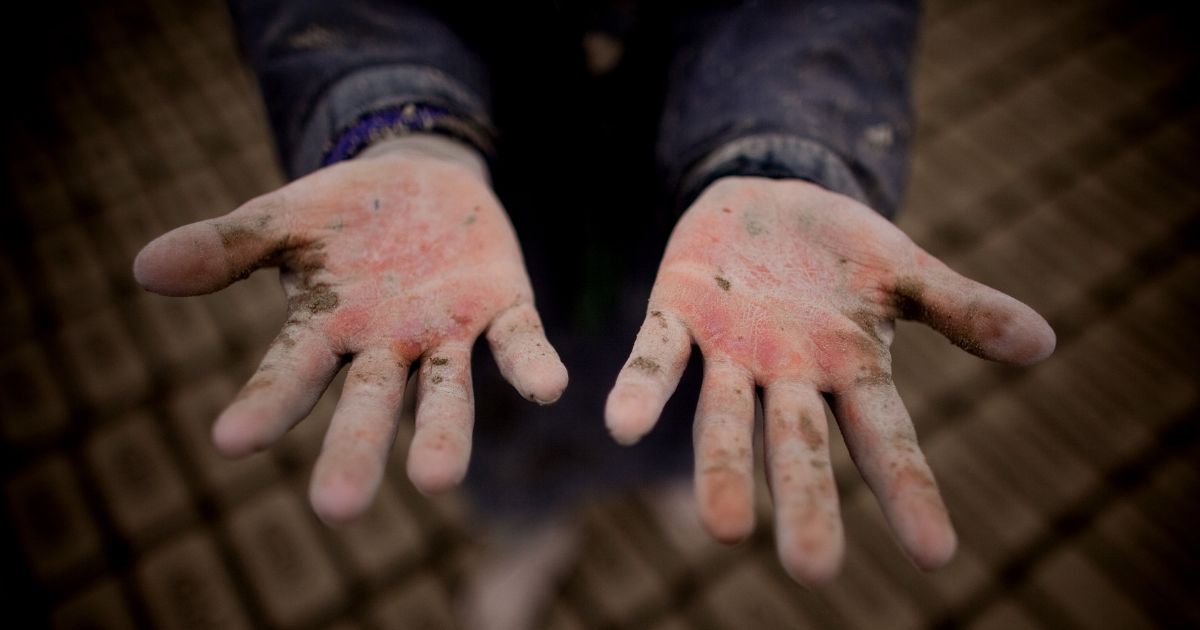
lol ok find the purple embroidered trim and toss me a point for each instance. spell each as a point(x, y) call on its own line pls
point(400, 120)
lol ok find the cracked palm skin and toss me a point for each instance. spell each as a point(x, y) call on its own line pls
point(793, 289)
point(400, 257)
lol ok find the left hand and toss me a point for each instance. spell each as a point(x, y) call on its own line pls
point(789, 287)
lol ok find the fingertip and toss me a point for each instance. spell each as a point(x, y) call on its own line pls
point(627, 414)
point(434, 472)
point(338, 500)
point(624, 436)
point(142, 267)
point(181, 262)
point(939, 555)
point(1033, 343)
point(730, 529)
point(936, 551)
point(812, 561)
point(230, 439)
point(928, 537)
point(726, 512)
point(547, 382)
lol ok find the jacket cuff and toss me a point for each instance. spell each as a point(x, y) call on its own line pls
point(365, 93)
point(777, 156)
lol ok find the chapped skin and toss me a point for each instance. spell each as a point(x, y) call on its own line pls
point(399, 258)
point(789, 287)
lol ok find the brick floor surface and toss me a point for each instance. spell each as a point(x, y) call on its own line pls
point(1055, 159)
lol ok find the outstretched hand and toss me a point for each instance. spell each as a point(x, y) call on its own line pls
point(794, 289)
point(398, 257)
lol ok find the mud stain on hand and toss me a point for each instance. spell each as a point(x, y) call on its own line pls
point(239, 236)
point(369, 376)
point(868, 377)
point(318, 298)
point(868, 322)
point(809, 433)
point(437, 362)
point(233, 235)
point(722, 282)
point(907, 299)
point(662, 321)
point(645, 364)
point(313, 298)
point(236, 233)
point(909, 302)
point(906, 442)
point(308, 261)
point(752, 225)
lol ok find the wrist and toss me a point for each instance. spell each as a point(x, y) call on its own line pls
point(424, 145)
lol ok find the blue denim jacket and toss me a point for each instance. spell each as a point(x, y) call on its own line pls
point(817, 90)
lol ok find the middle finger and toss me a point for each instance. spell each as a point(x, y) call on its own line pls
point(723, 436)
point(808, 525)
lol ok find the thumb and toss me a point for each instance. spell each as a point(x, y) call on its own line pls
point(209, 255)
point(974, 316)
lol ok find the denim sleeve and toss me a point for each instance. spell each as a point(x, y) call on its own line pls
point(325, 64)
point(793, 89)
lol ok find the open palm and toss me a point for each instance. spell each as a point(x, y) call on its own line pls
point(391, 260)
point(793, 289)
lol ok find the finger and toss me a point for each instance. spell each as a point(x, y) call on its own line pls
point(354, 454)
point(648, 379)
point(524, 355)
point(976, 317)
point(293, 374)
point(209, 255)
point(724, 433)
point(883, 443)
point(441, 444)
point(808, 525)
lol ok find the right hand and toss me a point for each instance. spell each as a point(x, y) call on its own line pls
point(400, 256)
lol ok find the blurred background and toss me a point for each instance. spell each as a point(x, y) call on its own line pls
point(1056, 160)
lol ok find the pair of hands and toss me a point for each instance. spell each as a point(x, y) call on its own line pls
point(403, 256)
